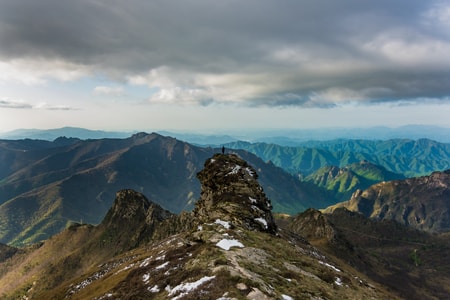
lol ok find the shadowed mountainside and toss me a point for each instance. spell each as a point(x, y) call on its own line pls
point(422, 202)
point(408, 261)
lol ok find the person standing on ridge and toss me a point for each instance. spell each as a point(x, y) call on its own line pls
point(223, 149)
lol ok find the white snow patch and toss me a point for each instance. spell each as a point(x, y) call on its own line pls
point(154, 289)
point(329, 266)
point(162, 266)
point(235, 170)
point(262, 221)
point(252, 200)
point(200, 228)
point(338, 281)
point(286, 297)
point(212, 160)
point(160, 257)
point(223, 223)
point(185, 288)
point(145, 262)
point(255, 208)
point(145, 277)
point(227, 244)
point(249, 171)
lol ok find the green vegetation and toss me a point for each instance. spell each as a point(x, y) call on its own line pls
point(408, 157)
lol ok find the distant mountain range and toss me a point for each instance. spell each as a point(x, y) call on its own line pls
point(283, 137)
point(403, 156)
point(70, 132)
point(46, 186)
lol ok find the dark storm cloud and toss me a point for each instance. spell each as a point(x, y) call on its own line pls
point(307, 53)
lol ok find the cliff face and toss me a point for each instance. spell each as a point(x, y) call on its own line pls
point(231, 192)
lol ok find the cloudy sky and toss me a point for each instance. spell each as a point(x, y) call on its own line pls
point(201, 64)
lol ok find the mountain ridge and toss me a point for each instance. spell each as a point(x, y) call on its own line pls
point(207, 258)
point(420, 202)
point(408, 157)
point(78, 181)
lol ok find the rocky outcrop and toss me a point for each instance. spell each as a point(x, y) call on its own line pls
point(231, 192)
point(420, 203)
point(312, 224)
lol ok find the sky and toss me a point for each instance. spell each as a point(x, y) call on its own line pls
point(203, 65)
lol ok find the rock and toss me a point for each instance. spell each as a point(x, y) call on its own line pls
point(231, 193)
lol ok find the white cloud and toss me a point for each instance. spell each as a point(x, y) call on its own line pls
point(47, 106)
point(8, 103)
point(32, 71)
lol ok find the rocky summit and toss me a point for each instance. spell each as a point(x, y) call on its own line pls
point(231, 192)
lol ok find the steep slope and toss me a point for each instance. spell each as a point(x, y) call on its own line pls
point(343, 182)
point(408, 157)
point(408, 261)
point(131, 221)
point(227, 248)
point(422, 202)
point(77, 182)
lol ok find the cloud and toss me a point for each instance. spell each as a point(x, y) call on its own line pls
point(256, 53)
point(47, 106)
point(7, 103)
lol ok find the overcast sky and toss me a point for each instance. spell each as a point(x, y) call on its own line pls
point(192, 64)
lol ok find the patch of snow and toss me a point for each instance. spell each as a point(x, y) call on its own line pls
point(160, 257)
point(338, 281)
point(286, 297)
point(262, 221)
point(212, 160)
point(145, 262)
point(235, 169)
point(329, 266)
point(154, 289)
point(252, 200)
point(227, 244)
point(223, 223)
point(162, 266)
point(255, 208)
point(145, 277)
point(185, 288)
point(249, 171)
point(200, 228)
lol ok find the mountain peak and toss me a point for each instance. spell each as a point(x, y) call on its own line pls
point(231, 192)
